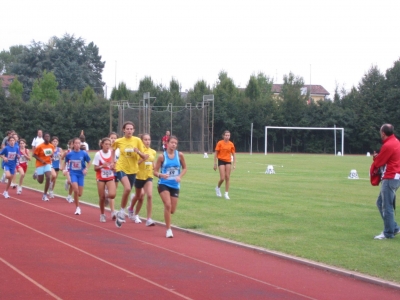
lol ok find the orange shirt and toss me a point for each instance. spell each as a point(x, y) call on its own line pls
point(44, 152)
point(225, 150)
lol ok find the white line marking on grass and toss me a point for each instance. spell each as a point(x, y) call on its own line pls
point(149, 244)
point(29, 278)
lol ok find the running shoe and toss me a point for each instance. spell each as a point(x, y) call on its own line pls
point(6, 195)
point(137, 219)
point(69, 199)
point(150, 222)
point(45, 198)
point(113, 215)
point(226, 196)
point(169, 233)
point(34, 176)
point(78, 211)
point(66, 185)
point(218, 191)
point(3, 178)
point(13, 185)
point(51, 194)
point(19, 190)
point(102, 218)
point(131, 214)
point(120, 219)
point(380, 236)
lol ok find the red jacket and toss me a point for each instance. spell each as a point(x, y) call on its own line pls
point(389, 156)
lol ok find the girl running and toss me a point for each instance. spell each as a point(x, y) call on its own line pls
point(43, 154)
point(67, 186)
point(170, 168)
point(113, 136)
point(225, 153)
point(78, 161)
point(104, 175)
point(144, 184)
point(10, 155)
point(24, 157)
point(55, 164)
point(127, 165)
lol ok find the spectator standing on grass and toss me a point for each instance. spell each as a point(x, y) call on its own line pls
point(224, 157)
point(389, 159)
point(170, 168)
point(37, 140)
point(165, 139)
point(83, 142)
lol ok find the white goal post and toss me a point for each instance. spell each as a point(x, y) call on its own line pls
point(306, 128)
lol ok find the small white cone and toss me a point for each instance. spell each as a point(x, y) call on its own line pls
point(270, 170)
point(368, 154)
point(339, 153)
point(205, 155)
point(353, 174)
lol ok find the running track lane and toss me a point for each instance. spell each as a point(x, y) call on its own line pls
point(45, 250)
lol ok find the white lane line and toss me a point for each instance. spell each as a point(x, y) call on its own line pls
point(98, 258)
point(171, 251)
point(30, 279)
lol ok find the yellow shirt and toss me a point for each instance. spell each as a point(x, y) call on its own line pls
point(128, 159)
point(146, 167)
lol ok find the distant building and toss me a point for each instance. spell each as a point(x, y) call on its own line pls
point(6, 80)
point(318, 92)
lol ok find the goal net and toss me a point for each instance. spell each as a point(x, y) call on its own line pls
point(308, 128)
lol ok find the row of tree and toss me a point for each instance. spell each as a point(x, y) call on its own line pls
point(60, 89)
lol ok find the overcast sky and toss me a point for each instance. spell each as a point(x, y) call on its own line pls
point(326, 42)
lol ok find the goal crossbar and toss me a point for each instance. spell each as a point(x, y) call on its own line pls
point(305, 128)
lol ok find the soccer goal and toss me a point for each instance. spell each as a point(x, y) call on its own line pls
point(307, 128)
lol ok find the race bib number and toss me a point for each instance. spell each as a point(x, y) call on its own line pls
point(56, 157)
point(48, 151)
point(172, 172)
point(11, 155)
point(148, 165)
point(106, 173)
point(23, 159)
point(129, 151)
point(76, 165)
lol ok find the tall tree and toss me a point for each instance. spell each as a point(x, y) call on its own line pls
point(45, 89)
point(16, 88)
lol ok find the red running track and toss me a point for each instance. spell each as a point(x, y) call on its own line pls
point(47, 252)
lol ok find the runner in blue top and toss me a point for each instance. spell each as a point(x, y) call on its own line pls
point(77, 168)
point(170, 168)
point(10, 156)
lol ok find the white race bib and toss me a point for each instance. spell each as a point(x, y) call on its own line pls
point(76, 165)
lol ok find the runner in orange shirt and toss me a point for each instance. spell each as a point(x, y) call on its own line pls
point(225, 153)
point(43, 154)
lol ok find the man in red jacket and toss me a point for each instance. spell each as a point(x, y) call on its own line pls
point(389, 159)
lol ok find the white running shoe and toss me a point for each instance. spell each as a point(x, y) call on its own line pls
point(150, 222)
point(169, 233)
point(69, 199)
point(3, 178)
point(131, 214)
point(113, 215)
point(19, 190)
point(45, 198)
point(34, 176)
point(78, 211)
point(51, 194)
point(137, 219)
point(13, 185)
point(218, 191)
point(6, 195)
point(120, 219)
point(102, 218)
point(380, 236)
point(226, 196)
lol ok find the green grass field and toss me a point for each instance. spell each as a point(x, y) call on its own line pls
point(308, 209)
